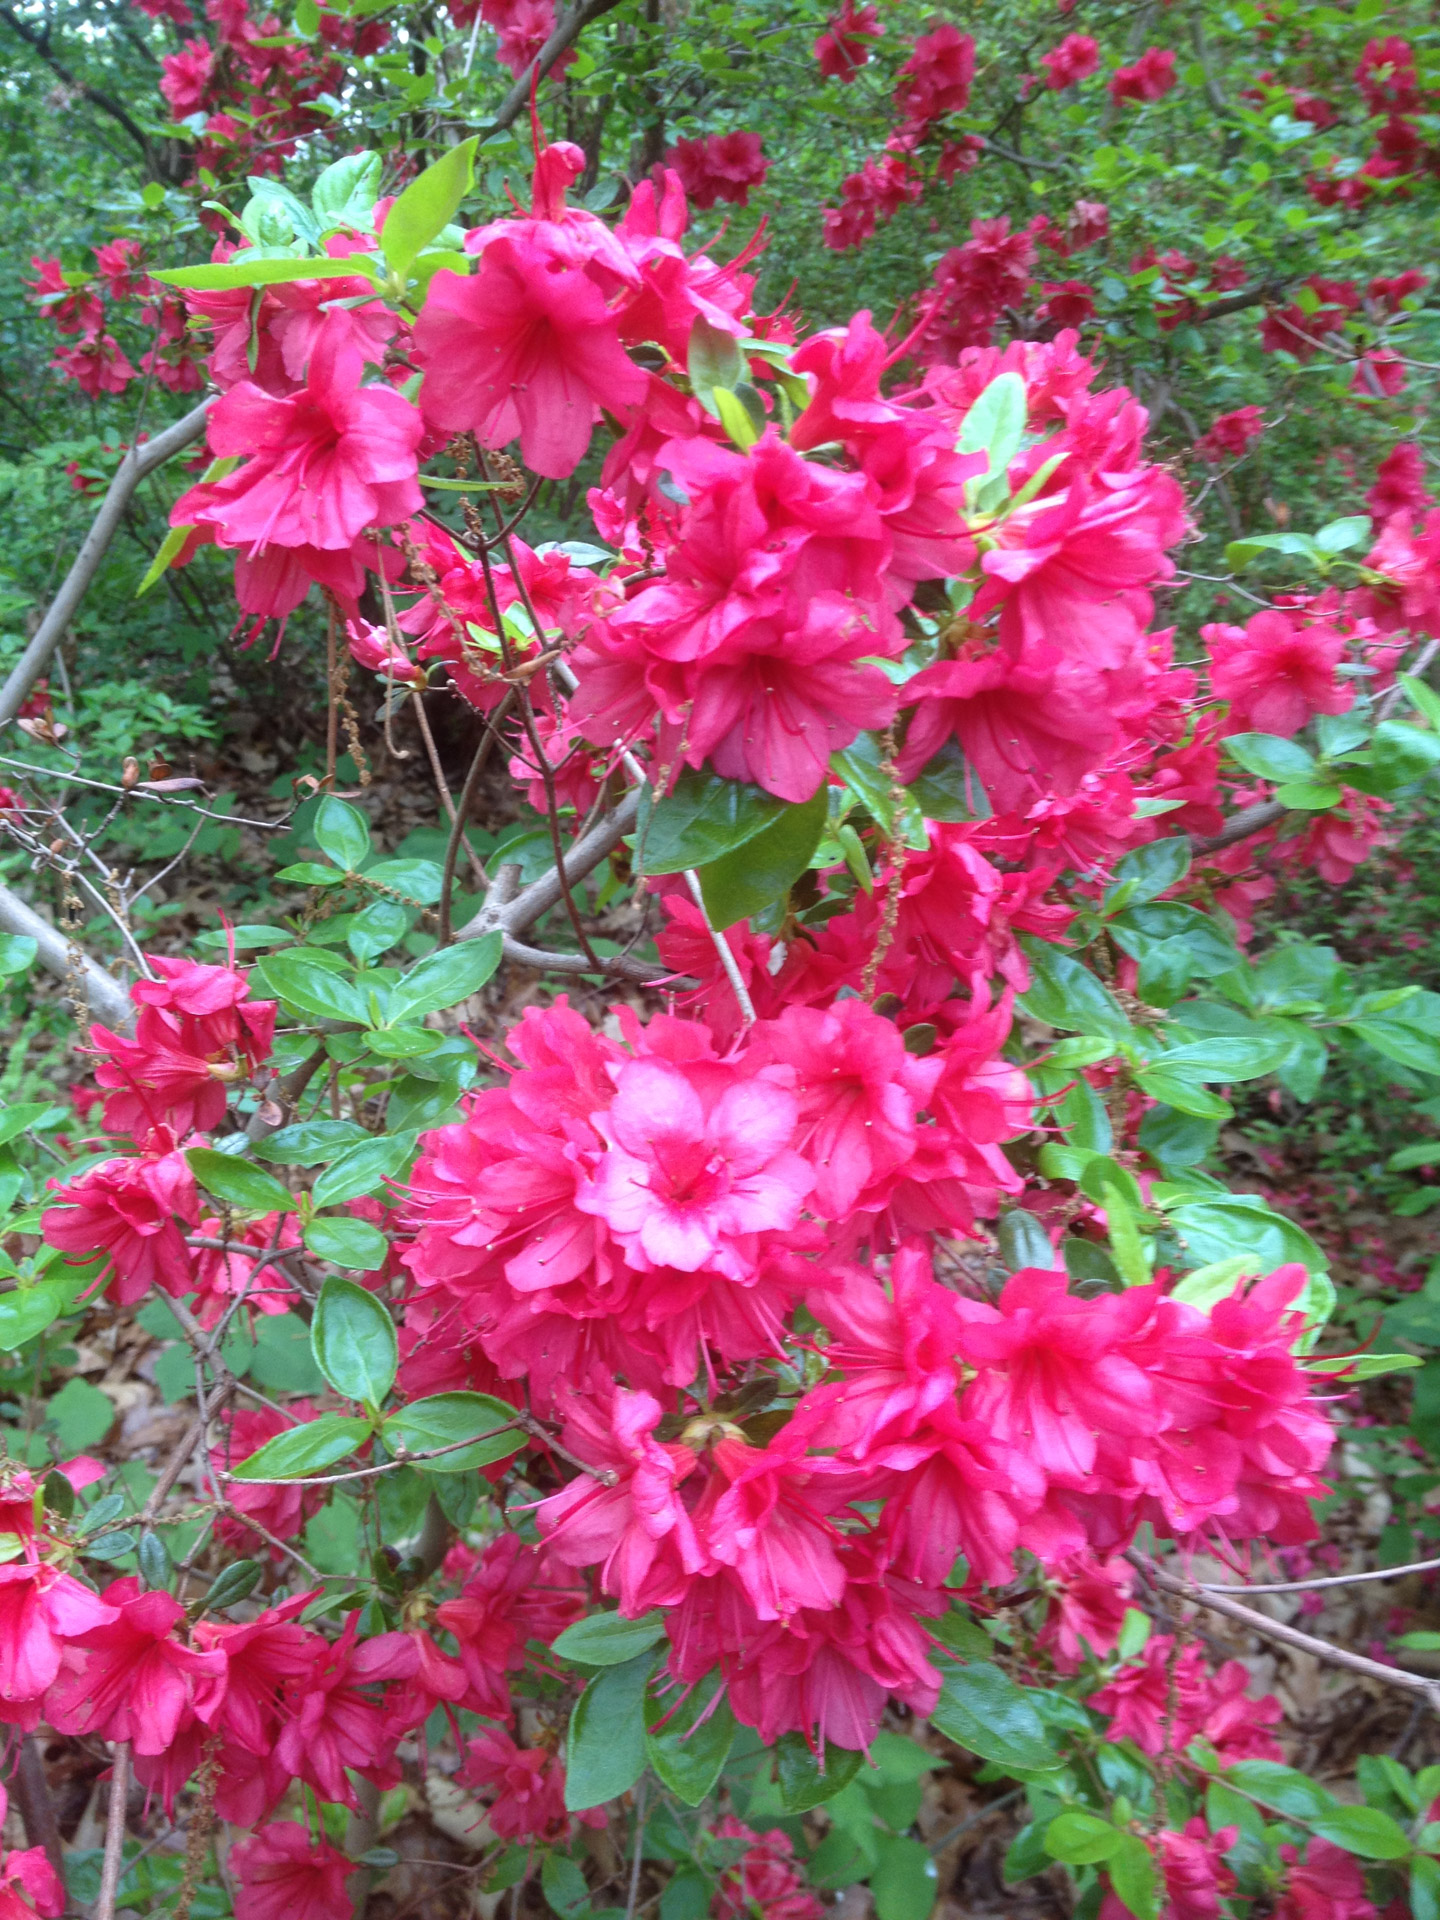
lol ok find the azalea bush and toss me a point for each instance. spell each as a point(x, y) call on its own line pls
point(708, 1292)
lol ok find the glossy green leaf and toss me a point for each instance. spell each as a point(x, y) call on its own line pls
point(363, 1168)
point(346, 192)
point(309, 986)
point(1132, 1874)
point(806, 1781)
point(1363, 1830)
point(238, 1183)
point(306, 1449)
point(995, 423)
point(1280, 1788)
point(347, 1243)
point(905, 1881)
point(702, 818)
point(353, 1340)
point(1064, 993)
point(714, 362)
point(247, 270)
point(762, 871)
point(309, 1142)
point(689, 1743)
point(982, 1709)
point(1081, 1839)
point(609, 1639)
point(605, 1744)
point(445, 978)
point(1270, 756)
point(341, 832)
point(445, 1419)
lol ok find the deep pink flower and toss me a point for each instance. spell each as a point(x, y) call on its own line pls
point(1074, 60)
point(1087, 1611)
point(30, 1885)
point(766, 1880)
point(98, 365)
point(637, 1530)
point(936, 79)
point(1067, 303)
point(262, 1657)
point(1387, 77)
point(127, 1209)
point(1276, 672)
point(1194, 1869)
point(185, 77)
point(132, 1679)
point(723, 166)
point(694, 1168)
point(317, 466)
point(528, 1785)
point(40, 1610)
point(1399, 483)
point(286, 1875)
point(843, 49)
point(335, 1721)
point(526, 346)
point(1328, 1885)
point(1150, 78)
point(1231, 434)
point(515, 1593)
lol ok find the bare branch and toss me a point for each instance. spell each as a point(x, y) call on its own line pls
point(108, 999)
point(514, 916)
point(114, 1833)
point(139, 461)
point(1241, 825)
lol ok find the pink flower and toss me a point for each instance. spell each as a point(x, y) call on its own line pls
point(131, 1678)
point(1088, 1610)
point(98, 365)
point(288, 1876)
point(527, 346)
point(1328, 1885)
point(1276, 673)
point(336, 1721)
point(1075, 59)
point(40, 1610)
point(695, 1166)
point(185, 77)
point(765, 1880)
point(1387, 76)
point(1399, 483)
point(528, 1787)
point(1067, 303)
point(317, 466)
point(723, 166)
point(1150, 78)
point(30, 1885)
point(1194, 1869)
point(1231, 435)
point(636, 1530)
point(262, 1657)
point(936, 79)
point(126, 1209)
point(769, 1524)
point(843, 47)
point(516, 1593)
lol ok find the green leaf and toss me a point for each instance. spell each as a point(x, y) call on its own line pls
point(237, 1182)
point(353, 1339)
point(305, 1450)
point(445, 978)
point(1151, 870)
point(309, 986)
point(609, 1639)
point(995, 424)
point(1308, 796)
point(427, 206)
point(1081, 1839)
point(17, 952)
point(443, 1419)
point(691, 1747)
point(765, 868)
point(735, 418)
point(702, 818)
point(982, 1709)
point(363, 1169)
point(1341, 535)
point(714, 363)
point(30, 1310)
point(1364, 1366)
point(310, 873)
point(1363, 1830)
point(377, 928)
point(418, 880)
point(1133, 1876)
point(804, 1781)
point(1064, 993)
point(905, 1881)
point(563, 1885)
point(1271, 757)
point(1424, 1888)
point(346, 192)
point(1423, 696)
point(948, 788)
point(341, 832)
point(1281, 1788)
point(310, 1141)
point(1213, 1230)
point(254, 270)
point(234, 1583)
point(19, 1118)
point(957, 1628)
point(1224, 1056)
point(347, 1243)
point(1023, 1243)
point(605, 1744)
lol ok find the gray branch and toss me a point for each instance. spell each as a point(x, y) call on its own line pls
point(500, 914)
point(567, 30)
point(138, 463)
point(108, 999)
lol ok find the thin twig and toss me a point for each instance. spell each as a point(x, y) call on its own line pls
point(1330, 1580)
point(638, 1844)
point(114, 1833)
point(463, 805)
point(725, 951)
point(1286, 1636)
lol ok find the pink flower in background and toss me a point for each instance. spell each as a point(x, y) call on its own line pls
point(1074, 60)
point(1150, 78)
point(1067, 303)
point(844, 47)
point(1231, 435)
point(722, 166)
point(125, 1209)
point(186, 75)
point(1399, 483)
point(528, 1786)
point(936, 79)
point(1276, 672)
